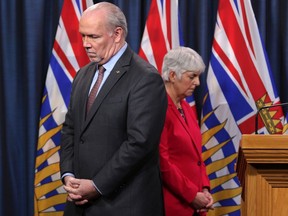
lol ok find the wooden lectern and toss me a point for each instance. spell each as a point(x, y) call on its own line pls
point(262, 168)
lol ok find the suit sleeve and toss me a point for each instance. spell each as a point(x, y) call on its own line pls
point(205, 179)
point(67, 136)
point(172, 177)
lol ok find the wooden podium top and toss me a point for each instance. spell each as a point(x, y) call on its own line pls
point(269, 151)
point(263, 149)
point(268, 142)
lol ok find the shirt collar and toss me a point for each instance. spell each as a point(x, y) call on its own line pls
point(111, 63)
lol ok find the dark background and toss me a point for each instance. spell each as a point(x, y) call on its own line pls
point(27, 33)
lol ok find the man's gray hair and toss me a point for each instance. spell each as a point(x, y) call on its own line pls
point(180, 60)
point(115, 16)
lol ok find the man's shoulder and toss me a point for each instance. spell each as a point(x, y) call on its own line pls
point(143, 64)
point(88, 66)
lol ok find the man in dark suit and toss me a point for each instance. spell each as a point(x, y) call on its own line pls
point(109, 153)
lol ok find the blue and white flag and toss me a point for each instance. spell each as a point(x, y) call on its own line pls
point(162, 32)
point(68, 55)
point(239, 83)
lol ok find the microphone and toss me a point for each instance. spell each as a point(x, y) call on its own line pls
point(265, 107)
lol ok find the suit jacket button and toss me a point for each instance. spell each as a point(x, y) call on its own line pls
point(199, 163)
point(81, 141)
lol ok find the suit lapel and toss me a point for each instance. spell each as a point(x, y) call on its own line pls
point(189, 126)
point(182, 120)
point(117, 72)
point(186, 125)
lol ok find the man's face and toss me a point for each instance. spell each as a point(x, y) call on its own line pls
point(98, 40)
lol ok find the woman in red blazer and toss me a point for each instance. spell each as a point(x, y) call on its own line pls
point(185, 182)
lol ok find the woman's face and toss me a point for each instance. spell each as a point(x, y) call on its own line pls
point(186, 85)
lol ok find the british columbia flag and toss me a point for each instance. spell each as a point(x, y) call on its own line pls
point(162, 32)
point(67, 57)
point(239, 83)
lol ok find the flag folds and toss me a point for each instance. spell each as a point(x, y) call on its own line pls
point(67, 57)
point(239, 82)
point(162, 32)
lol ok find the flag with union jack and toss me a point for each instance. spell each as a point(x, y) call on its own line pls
point(162, 32)
point(239, 83)
point(67, 57)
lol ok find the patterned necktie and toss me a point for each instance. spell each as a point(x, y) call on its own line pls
point(95, 88)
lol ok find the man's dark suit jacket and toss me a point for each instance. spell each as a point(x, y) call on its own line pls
point(116, 144)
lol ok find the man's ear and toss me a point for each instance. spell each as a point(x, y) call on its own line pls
point(118, 33)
